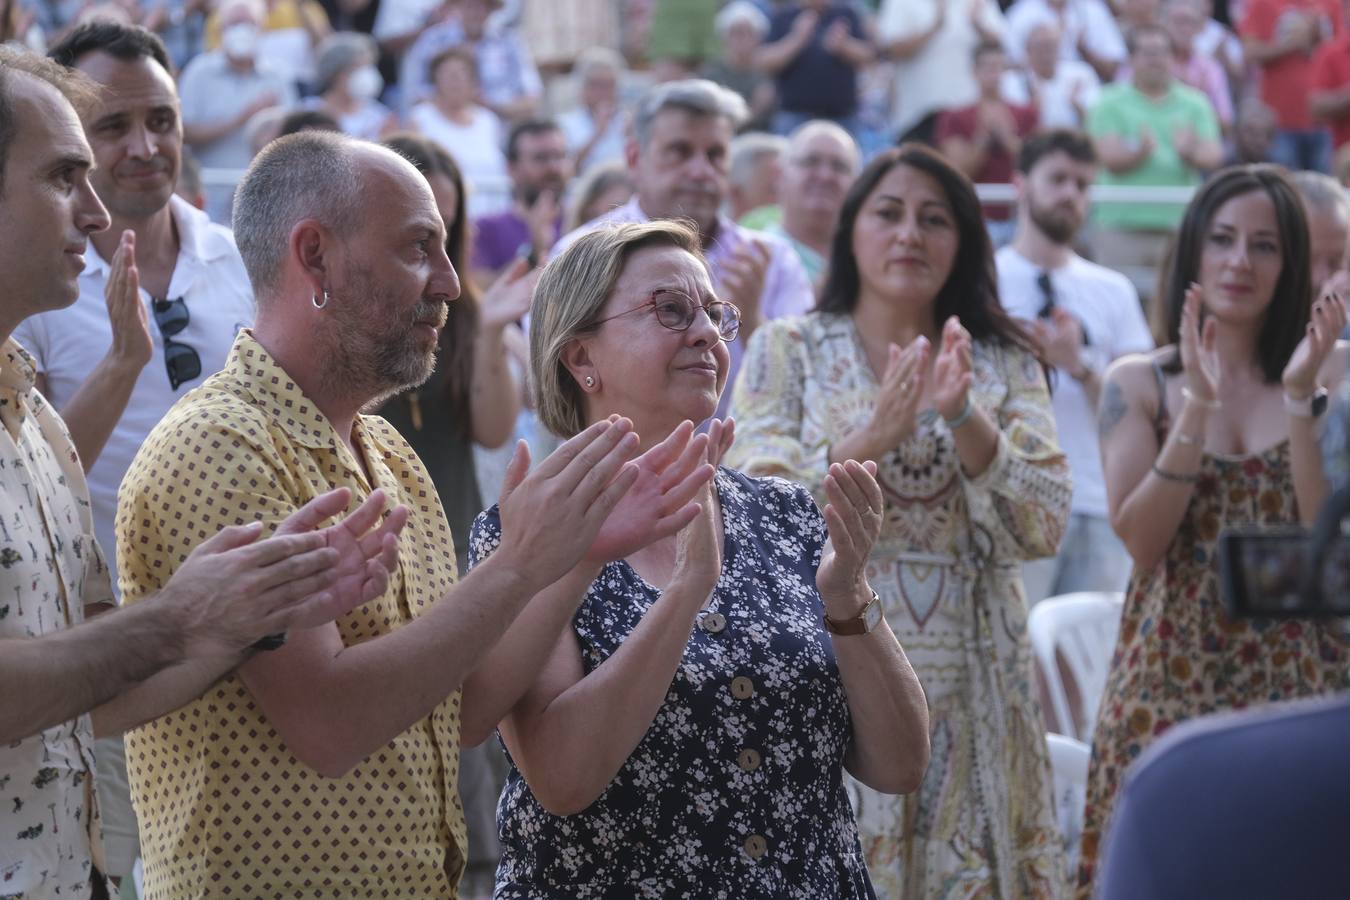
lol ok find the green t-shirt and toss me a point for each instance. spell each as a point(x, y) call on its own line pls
point(1122, 110)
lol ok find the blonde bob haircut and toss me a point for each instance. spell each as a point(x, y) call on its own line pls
point(571, 293)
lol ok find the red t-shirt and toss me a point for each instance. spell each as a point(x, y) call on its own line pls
point(1286, 82)
point(999, 164)
point(1331, 71)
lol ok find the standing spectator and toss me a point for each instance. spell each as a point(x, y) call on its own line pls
point(349, 85)
point(752, 178)
point(1183, 20)
point(984, 138)
point(819, 165)
point(601, 190)
point(959, 425)
point(741, 28)
point(923, 37)
point(1218, 429)
point(1254, 134)
point(1088, 32)
point(472, 133)
point(1217, 41)
point(678, 157)
point(814, 50)
point(1329, 101)
point(221, 90)
point(1328, 209)
point(1151, 130)
point(161, 298)
point(594, 130)
point(1280, 37)
point(1083, 316)
point(536, 161)
point(290, 31)
point(504, 69)
point(1061, 90)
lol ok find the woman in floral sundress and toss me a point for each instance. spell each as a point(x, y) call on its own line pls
point(1217, 429)
point(911, 362)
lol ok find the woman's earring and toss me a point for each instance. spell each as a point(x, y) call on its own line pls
point(590, 382)
point(314, 298)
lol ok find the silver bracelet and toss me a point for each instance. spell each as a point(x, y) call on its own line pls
point(962, 418)
point(1211, 405)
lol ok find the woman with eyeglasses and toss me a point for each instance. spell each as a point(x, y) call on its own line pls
point(911, 363)
point(685, 708)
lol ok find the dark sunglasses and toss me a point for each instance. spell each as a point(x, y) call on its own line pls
point(181, 361)
point(676, 310)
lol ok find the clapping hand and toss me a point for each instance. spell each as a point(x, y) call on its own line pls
point(742, 282)
point(1060, 339)
point(1199, 354)
point(508, 300)
point(853, 516)
point(836, 37)
point(1325, 326)
point(661, 502)
point(131, 343)
point(952, 372)
point(902, 385)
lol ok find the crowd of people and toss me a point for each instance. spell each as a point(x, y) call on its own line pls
point(610, 448)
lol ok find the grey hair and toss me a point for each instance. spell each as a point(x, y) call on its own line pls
point(747, 150)
point(741, 11)
point(339, 51)
point(807, 130)
point(571, 292)
point(696, 95)
point(309, 175)
point(594, 59)
point(1321, 192)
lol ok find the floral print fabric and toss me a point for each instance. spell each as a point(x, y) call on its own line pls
point(947, 569)
point(736, 790)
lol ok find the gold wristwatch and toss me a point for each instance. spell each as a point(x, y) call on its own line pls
point(862, 623)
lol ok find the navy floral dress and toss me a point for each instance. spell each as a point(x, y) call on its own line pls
point(736, 790)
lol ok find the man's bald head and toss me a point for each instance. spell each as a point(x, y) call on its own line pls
point(322, 176)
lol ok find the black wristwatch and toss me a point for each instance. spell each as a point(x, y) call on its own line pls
point(271, 642)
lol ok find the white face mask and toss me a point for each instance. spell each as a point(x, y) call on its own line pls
point(240, 41)
point(365, 83)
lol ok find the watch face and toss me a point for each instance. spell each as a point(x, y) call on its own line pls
point(872, 614)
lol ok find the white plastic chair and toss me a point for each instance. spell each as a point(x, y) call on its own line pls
point(1082, 627)
point(1069, 766)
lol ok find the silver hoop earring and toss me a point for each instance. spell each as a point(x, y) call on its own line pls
point(314, 298)
point(590, 382)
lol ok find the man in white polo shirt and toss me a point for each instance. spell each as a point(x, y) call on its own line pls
point(1084, 316)
point(114, 366)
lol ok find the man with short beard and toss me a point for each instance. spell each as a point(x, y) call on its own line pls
point(1083, 316)
point(160, 301)
point(329, 767)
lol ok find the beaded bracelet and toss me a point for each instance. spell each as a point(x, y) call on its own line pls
point(1174, 476)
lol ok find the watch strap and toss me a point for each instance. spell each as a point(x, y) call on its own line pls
point(856, 625)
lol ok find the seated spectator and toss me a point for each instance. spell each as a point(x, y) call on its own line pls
point(814, 50)
point(922, 39)
point(1329, 101)
point(221, 90)
point(537, 164)
point(741, 28)
point(1280, 37)
point(1328, 209)
point(1254, 133)
point(984, 138)
point(1060, 90)
point(510, 82)
point(1151, 130)
point(594, 130)
point(601, 190)
point(752, 178)
point(1088, 32)
point(472, 133)
point(349, 85)
point(1183, 20)
point(1180, 829)
point(290, 32)
point(818, 166)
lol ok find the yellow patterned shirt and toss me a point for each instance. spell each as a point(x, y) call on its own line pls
point(225, 810)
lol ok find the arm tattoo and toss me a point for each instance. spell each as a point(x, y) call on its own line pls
point(1112, 409)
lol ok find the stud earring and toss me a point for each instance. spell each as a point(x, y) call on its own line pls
point(590, 382)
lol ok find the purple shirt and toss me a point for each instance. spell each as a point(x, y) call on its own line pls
point(787, 289)
point(499, 237)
